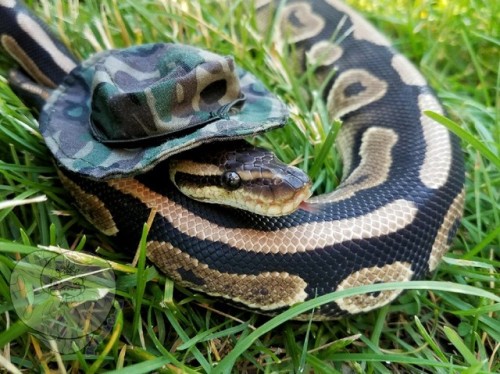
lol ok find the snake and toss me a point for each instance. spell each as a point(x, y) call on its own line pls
point(391, 219)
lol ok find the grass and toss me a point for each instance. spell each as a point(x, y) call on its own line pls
point(446, 324)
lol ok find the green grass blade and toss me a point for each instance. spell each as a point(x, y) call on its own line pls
point(464, 135)
point(143, 367)
point(226, 364)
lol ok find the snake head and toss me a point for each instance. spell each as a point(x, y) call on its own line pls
point(239, 175)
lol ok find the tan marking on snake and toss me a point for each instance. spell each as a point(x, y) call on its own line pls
point(261, 3)
point(265, 14)
point(339, 103)
point(307, 237)
point(310, 23)
point(438, 154)
point(442, 241)
point(362, 30)
point(396, 272)
point(343, 143)
point(373, 170)
point(91, 207)
point(324, 53)
point(407, 71)
point(11, 46)
point(30, 86)
point(267, 291)
point(45, 42)
point(8, 3)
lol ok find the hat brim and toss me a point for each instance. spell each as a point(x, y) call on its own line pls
point(65, 125)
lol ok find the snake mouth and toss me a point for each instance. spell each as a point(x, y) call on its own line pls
point(292, 205)
point(282, 202)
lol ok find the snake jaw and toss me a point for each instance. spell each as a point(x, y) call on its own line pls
point(285, 207)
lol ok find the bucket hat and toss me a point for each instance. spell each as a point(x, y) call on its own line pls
point(121, 112)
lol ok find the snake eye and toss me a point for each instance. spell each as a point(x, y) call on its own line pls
point(231, 180)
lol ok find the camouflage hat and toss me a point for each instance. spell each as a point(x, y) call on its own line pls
point(121, 112)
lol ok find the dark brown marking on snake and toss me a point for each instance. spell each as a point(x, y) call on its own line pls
point(11, 45)
point(91, 207)
point(267, 291)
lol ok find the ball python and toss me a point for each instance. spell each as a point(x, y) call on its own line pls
point(392, 217)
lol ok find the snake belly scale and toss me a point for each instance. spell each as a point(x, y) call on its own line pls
point(391, 219)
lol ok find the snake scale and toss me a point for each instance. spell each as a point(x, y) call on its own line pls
point(391, 219)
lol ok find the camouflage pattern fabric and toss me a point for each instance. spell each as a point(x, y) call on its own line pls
point(121, 112)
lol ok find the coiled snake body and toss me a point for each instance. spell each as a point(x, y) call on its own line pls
point(391, 219)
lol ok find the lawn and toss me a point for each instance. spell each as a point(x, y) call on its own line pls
point(446, 324)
